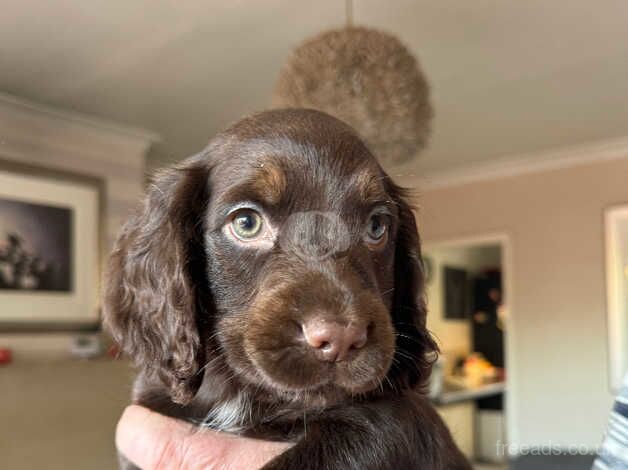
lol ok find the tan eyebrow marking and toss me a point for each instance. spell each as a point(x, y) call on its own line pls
point(269, 182)
point(369, 185)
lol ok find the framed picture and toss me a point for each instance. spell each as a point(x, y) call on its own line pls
point(50, 226)
point(616, 228)
point(457, 302)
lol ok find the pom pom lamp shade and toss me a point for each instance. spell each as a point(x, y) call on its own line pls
point(366, 78)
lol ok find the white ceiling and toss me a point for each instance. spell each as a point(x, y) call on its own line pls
point(507, 77)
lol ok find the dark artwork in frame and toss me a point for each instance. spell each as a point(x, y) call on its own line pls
point(457, 299)
point(35, 247)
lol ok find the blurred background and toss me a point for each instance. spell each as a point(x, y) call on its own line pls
point(522, 195)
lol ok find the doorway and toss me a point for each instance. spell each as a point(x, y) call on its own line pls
point(469, 298)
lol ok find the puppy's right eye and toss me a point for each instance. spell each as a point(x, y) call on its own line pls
point(247, 224)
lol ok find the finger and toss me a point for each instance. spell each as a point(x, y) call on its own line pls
point(153, 441)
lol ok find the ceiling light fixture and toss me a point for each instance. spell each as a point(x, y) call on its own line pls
point(366, 78)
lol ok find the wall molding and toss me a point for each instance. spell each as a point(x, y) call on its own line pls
point(535, 162)
point(78, 119)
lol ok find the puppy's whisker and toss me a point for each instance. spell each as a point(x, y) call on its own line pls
point(389, 382)
point(408, 337)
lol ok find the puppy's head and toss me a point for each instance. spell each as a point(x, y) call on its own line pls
point(282, 255)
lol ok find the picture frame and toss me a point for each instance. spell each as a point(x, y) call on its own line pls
point(456, 293)
point(51, 226)
point(616, 241)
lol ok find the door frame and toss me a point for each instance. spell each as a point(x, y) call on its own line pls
point(502, 239)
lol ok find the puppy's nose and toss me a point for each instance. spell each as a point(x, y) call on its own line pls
point(332, 341)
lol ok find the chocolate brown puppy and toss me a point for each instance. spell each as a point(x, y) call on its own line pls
point(271, 286)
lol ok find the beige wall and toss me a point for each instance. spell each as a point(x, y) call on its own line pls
point(557, 334)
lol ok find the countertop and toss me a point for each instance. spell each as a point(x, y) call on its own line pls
point(456, 394)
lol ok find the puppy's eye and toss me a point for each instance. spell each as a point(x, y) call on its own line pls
point(247, 224)
point(376, 233)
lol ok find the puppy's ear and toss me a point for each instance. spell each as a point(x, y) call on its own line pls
point(156, 280)
point(416, 349)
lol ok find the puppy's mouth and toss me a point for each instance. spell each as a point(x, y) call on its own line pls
point(295, 370)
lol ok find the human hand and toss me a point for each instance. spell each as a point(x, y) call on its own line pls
point(153, 441)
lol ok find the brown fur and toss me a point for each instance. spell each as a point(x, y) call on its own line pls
point(270, 183)
point(215, 326)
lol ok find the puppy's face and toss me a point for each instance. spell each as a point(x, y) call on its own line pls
point(300, 239)
point(282, 254)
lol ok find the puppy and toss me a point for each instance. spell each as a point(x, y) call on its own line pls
point(271, 286)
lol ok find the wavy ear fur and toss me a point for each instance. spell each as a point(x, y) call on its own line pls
point(156, 291)
point(416, 349)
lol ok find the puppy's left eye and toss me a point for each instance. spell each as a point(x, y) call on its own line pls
point(376, 233)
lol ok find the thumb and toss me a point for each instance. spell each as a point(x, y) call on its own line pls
point(153, 441)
